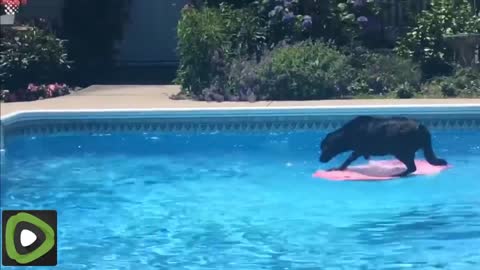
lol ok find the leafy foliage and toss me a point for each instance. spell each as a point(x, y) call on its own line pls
point(380, 74)
point(209, 38)
point(405, 90)
point(302, 71)
point(425, 42)
point(245, 30)
point(298, 20)
point(465, 82)
point(275, 49)
point(281, 20)
point(31, 55)
point(339, 20)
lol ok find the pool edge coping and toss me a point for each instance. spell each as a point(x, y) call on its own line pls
point(237, 111)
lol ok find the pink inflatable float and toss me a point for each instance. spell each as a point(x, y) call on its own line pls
point(377, 171)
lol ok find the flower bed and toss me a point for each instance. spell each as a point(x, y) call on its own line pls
point(36, 92)
point(31, 58)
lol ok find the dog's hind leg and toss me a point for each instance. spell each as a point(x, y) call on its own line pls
point(354, 156)
point(428, 149)
point(409, 161)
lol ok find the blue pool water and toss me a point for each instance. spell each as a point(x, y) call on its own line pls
point(244, 201)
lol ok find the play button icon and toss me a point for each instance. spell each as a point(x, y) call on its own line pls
point(29, 238)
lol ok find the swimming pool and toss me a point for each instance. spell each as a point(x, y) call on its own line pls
point(234, 190)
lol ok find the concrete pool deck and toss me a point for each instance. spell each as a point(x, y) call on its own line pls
point(157, 96)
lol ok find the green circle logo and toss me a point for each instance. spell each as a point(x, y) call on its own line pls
point(43, 232)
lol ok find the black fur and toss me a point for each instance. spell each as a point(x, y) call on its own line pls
point(373, 136)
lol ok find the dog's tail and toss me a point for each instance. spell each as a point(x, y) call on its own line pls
point(428, 150)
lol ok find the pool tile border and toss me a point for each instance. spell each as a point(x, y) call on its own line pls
point(465, 117)
point(208, 124)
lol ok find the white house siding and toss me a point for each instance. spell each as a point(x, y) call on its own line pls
point(150, 35)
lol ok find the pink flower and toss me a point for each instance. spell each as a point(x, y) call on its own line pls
point(51, 87)
point(32, 87)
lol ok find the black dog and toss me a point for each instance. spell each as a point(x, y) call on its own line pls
point(372, 136)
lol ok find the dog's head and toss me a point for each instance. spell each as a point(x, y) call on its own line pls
point(332, 145)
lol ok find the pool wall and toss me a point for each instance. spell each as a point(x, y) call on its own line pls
point(251, 119)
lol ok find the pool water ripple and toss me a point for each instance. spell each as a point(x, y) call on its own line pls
point(226, 201)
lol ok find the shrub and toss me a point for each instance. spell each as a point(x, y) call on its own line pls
point(201, 33)
point(207, 41)
point(31, 55)
point(245, 79)
point(380, 74)
point(245, 31)
point(405, 90)
point(425, 42)
point(464, 83)
point(302, 71)
point(306, 71)
point(283, 21)
point(299, 20)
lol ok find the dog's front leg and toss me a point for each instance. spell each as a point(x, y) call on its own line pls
point(354, 156)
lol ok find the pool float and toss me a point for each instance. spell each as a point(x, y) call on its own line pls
point(378, 171)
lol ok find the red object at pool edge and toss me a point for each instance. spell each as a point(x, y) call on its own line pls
point(378, 170)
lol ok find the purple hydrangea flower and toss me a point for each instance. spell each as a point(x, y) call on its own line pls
point(287, 3)
point(288, 17)
point(278, 9)
point(359, 3)
point(307, 24)
point(362, 19)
